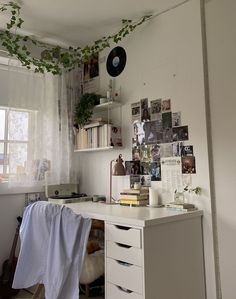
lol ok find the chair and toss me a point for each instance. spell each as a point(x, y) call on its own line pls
point(53, 247)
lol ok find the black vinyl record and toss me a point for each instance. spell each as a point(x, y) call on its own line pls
point(116, 61)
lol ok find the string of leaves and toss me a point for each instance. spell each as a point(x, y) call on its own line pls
point(54, 59)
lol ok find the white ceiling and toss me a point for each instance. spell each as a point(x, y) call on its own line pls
point(80, 22)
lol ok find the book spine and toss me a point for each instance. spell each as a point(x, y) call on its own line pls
point(135, 197)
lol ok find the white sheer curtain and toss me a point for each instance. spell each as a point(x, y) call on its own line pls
point(40, 121)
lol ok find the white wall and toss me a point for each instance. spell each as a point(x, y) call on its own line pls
point(221, 44)
point(164, 59)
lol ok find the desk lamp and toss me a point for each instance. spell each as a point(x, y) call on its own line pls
point(118, 170)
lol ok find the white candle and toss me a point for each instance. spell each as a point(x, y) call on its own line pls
point(153, 197)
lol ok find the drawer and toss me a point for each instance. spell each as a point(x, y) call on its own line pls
point(125, 253)
point(124, 275)
point(124, 235)
point(117, 292)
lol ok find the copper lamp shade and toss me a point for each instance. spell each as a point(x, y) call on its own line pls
point(118, 170)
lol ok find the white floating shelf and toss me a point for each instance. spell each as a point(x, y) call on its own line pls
point(107, 105)
point(97, 149)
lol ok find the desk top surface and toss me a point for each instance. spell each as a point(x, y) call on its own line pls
point(135, 216)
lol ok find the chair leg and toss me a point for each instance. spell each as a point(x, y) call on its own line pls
point(38, 291)
point(87, 290)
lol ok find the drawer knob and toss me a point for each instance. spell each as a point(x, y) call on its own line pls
point(124, 290)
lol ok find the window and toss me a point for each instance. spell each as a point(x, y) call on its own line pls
point(14, 142)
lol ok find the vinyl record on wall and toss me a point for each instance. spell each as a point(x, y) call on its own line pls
point(116, 61)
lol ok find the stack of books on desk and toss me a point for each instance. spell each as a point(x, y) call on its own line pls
point(134, 197)
point(185, 207)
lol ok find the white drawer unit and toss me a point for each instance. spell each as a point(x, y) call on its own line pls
point(117, 292)
point(125, 275)
point(124, 235)
point(125, 253)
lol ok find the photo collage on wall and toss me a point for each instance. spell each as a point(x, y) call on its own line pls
point(157, 133)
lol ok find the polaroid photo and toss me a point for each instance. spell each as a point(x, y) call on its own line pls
point(132, 167)
point(145, 168)
point(155, 109)
point(145, 180)
point(180, 133)
point(139, 132)
point(145, 111)
point(136, 111)
point(187, 150)
point(188, 165)
point(167, 120)
point(156, 171)
point(145, 153)
point(155, 152)
point(176, 119)
point(167, 135)
point(166, 105)
point(177, 148)
point(134, 179)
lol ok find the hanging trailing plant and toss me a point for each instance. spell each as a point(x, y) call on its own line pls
point(54, 59)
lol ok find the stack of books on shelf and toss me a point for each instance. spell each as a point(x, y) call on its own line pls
point(134, 197)
point(184, 207)
point(98, 134)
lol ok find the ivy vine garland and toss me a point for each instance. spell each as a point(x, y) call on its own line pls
point(54, 59)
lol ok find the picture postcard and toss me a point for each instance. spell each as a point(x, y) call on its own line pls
point(139, 132)
point(177, 148)
point(145, 154)
point(153, 132)
point(167, 135)
point(136, 111)
point(145, 168)
point(155, 109)
point(145, 111)
point(156, 171)
point(145, 180)
point(167, 120)
point(176, 119)
point(166, 105)
point(134, 179)
point(180, 133)
point(188, 164)
point(155, 151)
point(132, 167)
point(186, 150)
point(115, 139)
point(136, 153)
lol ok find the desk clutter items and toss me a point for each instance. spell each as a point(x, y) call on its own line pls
point(134, 197)
point(184, 207)
point(159, 152)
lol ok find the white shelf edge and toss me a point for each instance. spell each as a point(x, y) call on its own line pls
point(106, 148)
point(104, 106)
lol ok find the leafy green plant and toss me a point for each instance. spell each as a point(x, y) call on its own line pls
point(84, 108)
point(197, 190)
point(54, 59)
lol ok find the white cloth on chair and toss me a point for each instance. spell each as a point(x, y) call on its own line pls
point(53, 246)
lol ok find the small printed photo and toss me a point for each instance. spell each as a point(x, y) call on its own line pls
point(134, 179)
point(145, 153)
point(166, 105)
point(177, 148)
point(167, 135)
point(167, 120)
point(166, 150)
point(132, 167)
point(153, 132)
point(187, 150)
point(155, 109)
point(91, 68)
point(115, 139)
point(139, 132)
point(155, 152)
point(155, 171)
point(136, 153)
point(145, 168)
point(145, 180)
point(176, 119)
point(135, 142)
point(188, 164)
point(180, 133)
point(136, 111)
point(145, 111)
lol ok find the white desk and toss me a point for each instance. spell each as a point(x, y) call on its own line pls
point(150, 253)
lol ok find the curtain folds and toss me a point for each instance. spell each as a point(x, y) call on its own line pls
point(40, 123)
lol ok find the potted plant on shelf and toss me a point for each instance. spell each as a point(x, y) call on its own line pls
point(84, 108)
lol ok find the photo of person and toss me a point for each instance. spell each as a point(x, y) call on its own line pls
point(139, 132)
point(145, 111)
point(176, 119)
point(145, 180)
point(166, 105)
point(155, 153)
point(145, 168)
point(155, 109)
point(132, 167)
point(180, 133)
point(188, 164)
point(153, 132)
point(145, 154)
point(155, 171)
point(134, 179)
point(136, 153)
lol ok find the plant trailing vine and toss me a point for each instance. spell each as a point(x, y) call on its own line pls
point(54, 59)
